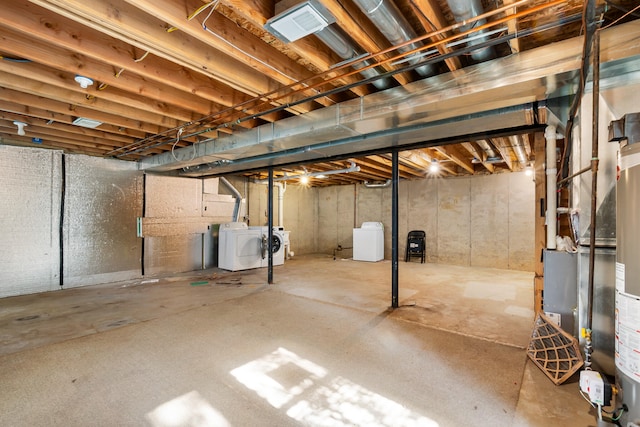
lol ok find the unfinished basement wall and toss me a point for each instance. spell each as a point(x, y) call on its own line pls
point(483, 221)
point(479, 221)
point(181, 221)
point(300, 213)
point(335, 217)
point(103, 197)
point(29, 220)
point(101, 201)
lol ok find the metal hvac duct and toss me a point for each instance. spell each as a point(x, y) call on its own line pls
point(488, 149)
point(341, 44)
point(389, 20)
point(311, 17)
point(466, 9)
point(518, 147)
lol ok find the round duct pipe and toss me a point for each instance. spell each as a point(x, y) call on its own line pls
point(464, 10)
point(340, 43)
point(389, 20)
point(377, 184)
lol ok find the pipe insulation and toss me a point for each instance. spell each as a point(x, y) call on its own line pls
point(552, 170)
point(386, 16)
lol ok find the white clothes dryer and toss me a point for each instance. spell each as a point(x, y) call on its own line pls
point(239, 247)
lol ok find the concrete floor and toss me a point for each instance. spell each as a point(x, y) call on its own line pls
point(317, 348)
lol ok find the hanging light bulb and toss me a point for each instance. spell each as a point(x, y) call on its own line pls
point(21, 126)
point(304, 180)
point(528, 171)
point(435, 166)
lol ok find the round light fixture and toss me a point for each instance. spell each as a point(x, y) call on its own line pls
point(304, 180)
point(434, 167)
point(83, 81)
point(528, 171)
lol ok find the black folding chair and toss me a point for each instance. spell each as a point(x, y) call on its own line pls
point(416, 245)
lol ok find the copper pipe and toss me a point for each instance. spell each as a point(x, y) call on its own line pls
point(267, 98)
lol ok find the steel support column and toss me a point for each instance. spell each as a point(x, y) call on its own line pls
point(395, 177)
point(270, 227)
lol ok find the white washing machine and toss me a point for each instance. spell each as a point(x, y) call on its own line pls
point(368, 242)
point(239, 247)
point(278, 245)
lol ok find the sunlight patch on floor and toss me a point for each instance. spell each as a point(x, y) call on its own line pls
point(190, 409)
point(314, 398)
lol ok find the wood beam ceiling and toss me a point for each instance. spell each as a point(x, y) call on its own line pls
point(157, 72)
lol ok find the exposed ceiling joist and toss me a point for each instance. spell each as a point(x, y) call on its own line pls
point(162, 81)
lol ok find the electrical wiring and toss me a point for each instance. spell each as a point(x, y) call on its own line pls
point(233, 46)
point(617, 418)
point(142, 57)
point(277, 94)
point(204, 26)
point(201, 8)
point(619, 7)
point(173, 147)
point(195, 13)
point(622, 17)
point(587, 398)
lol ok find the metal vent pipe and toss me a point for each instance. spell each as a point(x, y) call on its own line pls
point(466, 9)
point(518, 148)
point(487, 148)
point(389, 20)
point(339, 42)
point(385, 184)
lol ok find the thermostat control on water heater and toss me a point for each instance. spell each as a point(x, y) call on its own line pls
point(596, 387)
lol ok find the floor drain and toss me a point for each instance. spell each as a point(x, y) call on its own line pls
point(22, 319)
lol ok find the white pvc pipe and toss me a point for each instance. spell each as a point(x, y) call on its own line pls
point(281, 189)
point(550, 136)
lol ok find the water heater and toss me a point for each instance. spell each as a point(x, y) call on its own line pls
point(627, 301)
